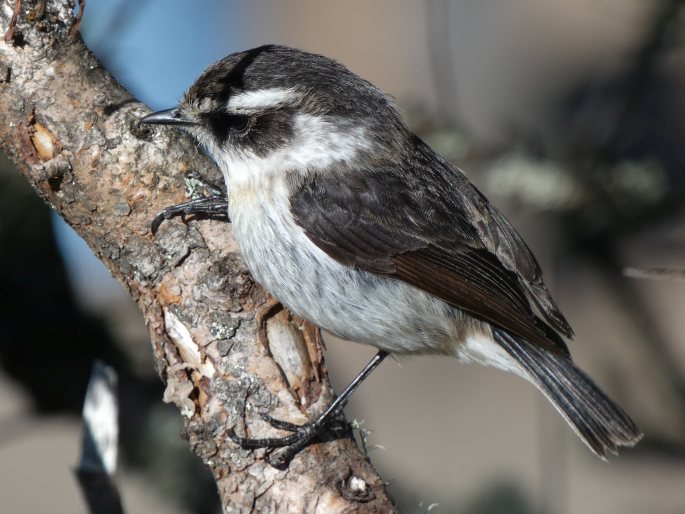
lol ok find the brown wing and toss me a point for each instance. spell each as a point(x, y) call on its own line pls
point(431, 228)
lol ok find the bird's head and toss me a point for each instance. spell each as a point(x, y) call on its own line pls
point(276, 108)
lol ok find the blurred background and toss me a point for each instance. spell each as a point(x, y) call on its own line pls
point(569, 115)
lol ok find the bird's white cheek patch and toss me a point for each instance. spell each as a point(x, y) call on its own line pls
point(320, 142)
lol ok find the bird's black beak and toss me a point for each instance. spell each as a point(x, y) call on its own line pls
point(168, 117)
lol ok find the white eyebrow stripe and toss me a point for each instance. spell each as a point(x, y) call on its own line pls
point(260, 99)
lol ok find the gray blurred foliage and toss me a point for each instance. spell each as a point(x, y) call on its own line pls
point(610, 169)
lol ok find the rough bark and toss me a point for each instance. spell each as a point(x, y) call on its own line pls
point(73, 132)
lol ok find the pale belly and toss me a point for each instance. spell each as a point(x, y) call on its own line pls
point(347, 302)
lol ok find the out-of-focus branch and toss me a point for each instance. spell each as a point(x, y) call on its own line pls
point(656, 273)
point(440, 54)
point(73, 132)
point(99, 443)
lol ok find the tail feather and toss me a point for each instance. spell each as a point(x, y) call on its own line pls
point(598, 421)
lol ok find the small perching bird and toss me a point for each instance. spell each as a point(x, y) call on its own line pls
point(355, 224)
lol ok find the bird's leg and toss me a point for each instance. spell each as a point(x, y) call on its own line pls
point(303, 434)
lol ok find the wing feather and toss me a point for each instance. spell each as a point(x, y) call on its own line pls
point(424, 223)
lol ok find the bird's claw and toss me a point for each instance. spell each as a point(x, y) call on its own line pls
point(290, 445)
point(281, 424)
point(300, 433)
point(215, 206)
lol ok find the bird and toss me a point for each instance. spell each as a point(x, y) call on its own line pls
point(355, 224)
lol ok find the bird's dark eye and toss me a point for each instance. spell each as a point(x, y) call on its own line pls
point(224, 124)
point(238, 123)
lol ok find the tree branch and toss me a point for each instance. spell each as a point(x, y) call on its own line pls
point(73, 132)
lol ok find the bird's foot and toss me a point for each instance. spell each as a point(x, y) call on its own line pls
point(330, 424)
point(215, 206)
point(209, 199)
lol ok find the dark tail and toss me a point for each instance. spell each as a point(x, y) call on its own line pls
point(598, 421)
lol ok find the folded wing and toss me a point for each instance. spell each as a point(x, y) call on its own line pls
point(431, 228)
